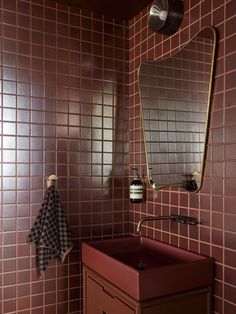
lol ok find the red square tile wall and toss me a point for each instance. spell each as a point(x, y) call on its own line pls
point(64, 111)
point(214, 205)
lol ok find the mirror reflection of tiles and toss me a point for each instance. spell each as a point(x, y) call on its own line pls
point(175, 93)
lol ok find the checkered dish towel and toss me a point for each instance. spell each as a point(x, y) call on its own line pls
point(50, 232)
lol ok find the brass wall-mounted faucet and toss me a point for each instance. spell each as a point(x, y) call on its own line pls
point(178, 218)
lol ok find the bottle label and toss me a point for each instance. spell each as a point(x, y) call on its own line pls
point(136, 191)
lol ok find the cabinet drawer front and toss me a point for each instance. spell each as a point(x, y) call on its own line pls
point(189, 305)
point(102, 300)
point(120, 307)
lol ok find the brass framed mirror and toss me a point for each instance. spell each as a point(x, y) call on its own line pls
point(175, 99)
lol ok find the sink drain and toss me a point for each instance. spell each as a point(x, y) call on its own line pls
point(140, 266)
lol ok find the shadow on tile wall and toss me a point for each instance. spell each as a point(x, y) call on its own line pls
point(64, 110)
point(214, 206)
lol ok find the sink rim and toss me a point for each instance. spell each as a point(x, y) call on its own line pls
point(144, 241)
point(141, 284)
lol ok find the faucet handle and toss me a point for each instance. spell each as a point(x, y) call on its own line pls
point(185, 219)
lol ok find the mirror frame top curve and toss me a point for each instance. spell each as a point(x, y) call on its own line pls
point(175, 93)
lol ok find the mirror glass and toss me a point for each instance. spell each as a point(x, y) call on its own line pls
point(175, 97)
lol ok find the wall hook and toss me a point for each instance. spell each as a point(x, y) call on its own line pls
point(51, 180)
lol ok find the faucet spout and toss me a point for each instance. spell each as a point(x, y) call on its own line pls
point(149, 218)
point(178, 218)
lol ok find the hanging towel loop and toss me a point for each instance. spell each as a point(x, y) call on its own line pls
point(51, 180)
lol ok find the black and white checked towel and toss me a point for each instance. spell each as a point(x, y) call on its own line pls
point(50, 232)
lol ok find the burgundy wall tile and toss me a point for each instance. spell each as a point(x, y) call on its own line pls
point(59, 108)
point(64, 104)
point(214, 204)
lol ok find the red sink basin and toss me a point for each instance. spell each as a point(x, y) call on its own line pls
point(145, 268)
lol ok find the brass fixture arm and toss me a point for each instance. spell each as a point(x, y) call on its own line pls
point(178, 218)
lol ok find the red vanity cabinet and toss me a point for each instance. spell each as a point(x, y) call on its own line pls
point(102, 297)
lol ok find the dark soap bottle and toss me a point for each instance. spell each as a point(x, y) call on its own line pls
point(136, 188)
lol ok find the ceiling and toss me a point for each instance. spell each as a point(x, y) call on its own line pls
point(121, 9)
